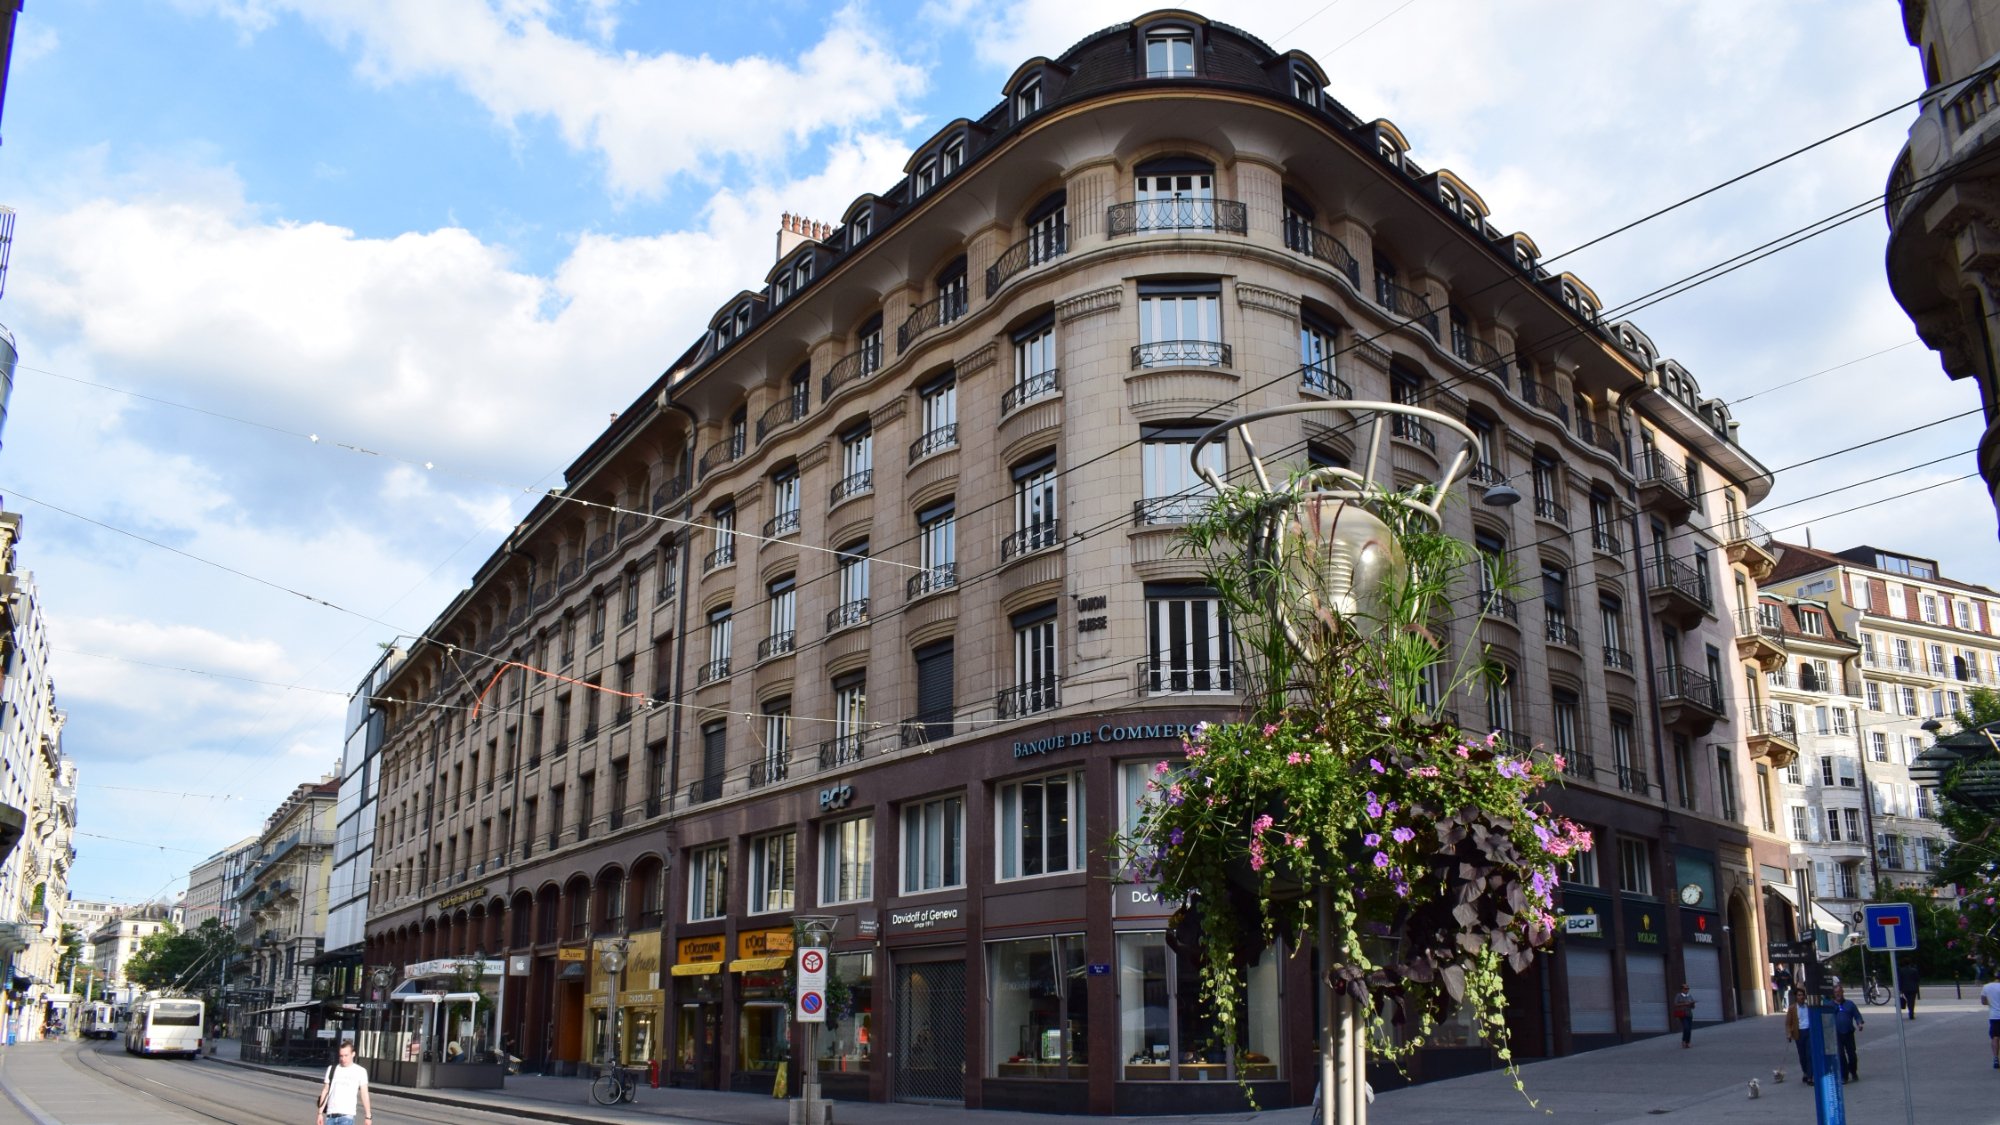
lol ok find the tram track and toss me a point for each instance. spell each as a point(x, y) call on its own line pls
point(122, 1072)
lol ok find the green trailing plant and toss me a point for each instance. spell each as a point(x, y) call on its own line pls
point(1440, 862)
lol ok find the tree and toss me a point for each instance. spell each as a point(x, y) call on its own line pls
point(172, 958)
point(1975, 835)
point(1942, 951)
point(71, 942)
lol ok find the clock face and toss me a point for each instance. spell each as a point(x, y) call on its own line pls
point(1691, 894)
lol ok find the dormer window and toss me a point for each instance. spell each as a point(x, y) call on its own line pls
point(927, 175)
point(1385, 147)
point(1303, 87)
point(1028, 99)
point(1448, 197)
point(743, 318)
point(954, 156)
point(802, 274)
point(859, 228)
point(1170, 53)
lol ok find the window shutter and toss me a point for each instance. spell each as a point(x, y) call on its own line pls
point(935, 669)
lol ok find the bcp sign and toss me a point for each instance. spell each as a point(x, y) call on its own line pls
point(812, 986)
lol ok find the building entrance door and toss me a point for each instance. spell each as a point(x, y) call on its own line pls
point(930, 1032)
point(701, 1043)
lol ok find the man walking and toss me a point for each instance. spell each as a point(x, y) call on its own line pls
point(1798, 1029)
point(1991, 994)
point(345, 1084)
point(1909, 986)
point(1684, 1012)
point(1846, 1021)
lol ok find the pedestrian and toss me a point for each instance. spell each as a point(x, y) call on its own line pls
point(1798, 1029)
point(1781, 983)
point(1684, 1012)
point(345, 1084)
point(1908, 987)
point(1847, 1020)
point(1991, 994)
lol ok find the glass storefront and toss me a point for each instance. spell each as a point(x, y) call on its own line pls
point(844, 1042)
point(763, 1014)
point(1038, 1016)
point(1165, 1034)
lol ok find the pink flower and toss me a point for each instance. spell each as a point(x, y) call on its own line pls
point(1262, 824)
point(1464, 753)
point(1270, 729)
point(1294, 758)
point(1257, 855)
point(1161, 769)
point(1559, 762)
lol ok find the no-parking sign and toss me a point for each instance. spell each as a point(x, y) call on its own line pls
point(812, 986)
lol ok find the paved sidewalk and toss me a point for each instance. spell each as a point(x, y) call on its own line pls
point(1950, 1068)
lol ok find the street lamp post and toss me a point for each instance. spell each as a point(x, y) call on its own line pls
point(612, 961)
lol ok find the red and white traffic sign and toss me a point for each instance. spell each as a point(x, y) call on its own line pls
point(812, 986)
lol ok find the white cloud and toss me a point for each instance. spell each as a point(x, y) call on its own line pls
point(650, 117)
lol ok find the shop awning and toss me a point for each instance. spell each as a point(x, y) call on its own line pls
point(1784, 891)
point(300, 1006)
point(438, 998)
point(572, 971)
point(695, 969)
point(759, 964)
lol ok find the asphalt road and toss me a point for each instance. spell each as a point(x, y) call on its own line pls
point(66, 1083)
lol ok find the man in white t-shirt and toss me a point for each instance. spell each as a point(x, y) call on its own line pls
point(1991, 994)
point(346, 1083)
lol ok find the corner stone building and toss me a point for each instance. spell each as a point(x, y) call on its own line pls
point(869, 608)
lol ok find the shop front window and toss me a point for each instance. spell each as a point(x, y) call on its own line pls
point(844, 1042)
point(1165, 1033)
point(1040, 1018)
point(761, 1022)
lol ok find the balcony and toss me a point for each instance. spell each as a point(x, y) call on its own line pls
point(852, 485)
point(1663, 484)
point(1323, 247)
point(668, 494)
point(710, 672)
point(1029, 388)
point(1496, 606)
point(1029, 699)
point(1580, 764)
point(851, 368)
point(922, 731)
point(1601, 436)
point(1044, 244)
point(932, 580)
point(840, 751)
point(1760, 637)
point(1178, 508)
point(720, 557)
point(782, 524)
point(1618, 660)
point(1186, 674)
point(935, 441)
point(792, 408)
point(1774, 736)
point(1477, 353)
point(1688, 699)
point(777, 644)
point(847, 615)
point(569, 572)
point(1408, 304)
point(707, 789)
point(943, 309)
point(1603, 539)
point(1748, 545)
point(1634, 780)
point(1484, 475)
point(1179, 213)
point(1544, 399)
point(600, 548)
point(1558, 631)
point(1549, 511)
point(1180, 353)
point(724, 452)
point(1032, 538)
point(1402, 427)
point(769, 771)
point(1679, 592)
point(1318, 377)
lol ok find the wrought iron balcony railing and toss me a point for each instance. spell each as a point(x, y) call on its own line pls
point(936, 579)
point(782, 524)
point(791, 408)
point(720, 557)
point(1032, 538)
point(1406, 303)
point(1318, 244)
point(1044, 244)
point(1619, 659)
point(853, 484)
point(851, 368)
point(1028, 388)
point(1319, 377)
point(1551, 511)
point(777, 644)
point(1179, 213)
point(1406, 428)
point(847, 615)
point(1030, 698)
point(723, 452)
point(943, 309)
point(1181, 673)
point(935, 441)
point(840, 751)
point(709, 673)
point(1178, 508)
point(1180, 353)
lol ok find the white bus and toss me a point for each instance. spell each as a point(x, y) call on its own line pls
point(161, 1026)
point(97, 1021)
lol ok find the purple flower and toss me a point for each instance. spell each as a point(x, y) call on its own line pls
point(1377, 766)
point(1381, 860)
point(1374, 807)
point(1372, 840)
point(1176, 836)
point(1382, 721)
point(1404, 835)
point(1403, 889)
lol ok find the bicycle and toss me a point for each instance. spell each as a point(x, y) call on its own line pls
point(613, 1086)
point(1873, 990)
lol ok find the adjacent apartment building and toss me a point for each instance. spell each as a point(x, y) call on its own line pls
point(342, 960)
point(282, 903)
point(213, 883)
point(1909, 643)
point(1943, 199)
point(749, 665)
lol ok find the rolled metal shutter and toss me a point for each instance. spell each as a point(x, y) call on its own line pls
point(1646, 985)
point(1591, 1008)
point(1704, 972)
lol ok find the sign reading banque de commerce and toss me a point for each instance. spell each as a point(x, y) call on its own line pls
point(1103, 732)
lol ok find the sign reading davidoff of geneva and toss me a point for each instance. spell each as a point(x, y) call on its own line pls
point(1103, 732)
point(917, 919)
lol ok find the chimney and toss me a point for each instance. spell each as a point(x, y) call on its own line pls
point(795, 231)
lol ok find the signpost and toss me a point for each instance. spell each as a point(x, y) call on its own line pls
point(812, 947)
point(1892, 928)
point(812, 986)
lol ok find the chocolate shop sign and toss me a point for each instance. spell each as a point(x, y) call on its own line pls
point(1104, 732)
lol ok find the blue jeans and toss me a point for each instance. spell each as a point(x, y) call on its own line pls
point(339, 1119)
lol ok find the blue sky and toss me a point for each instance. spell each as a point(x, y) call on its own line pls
point(460, 233)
